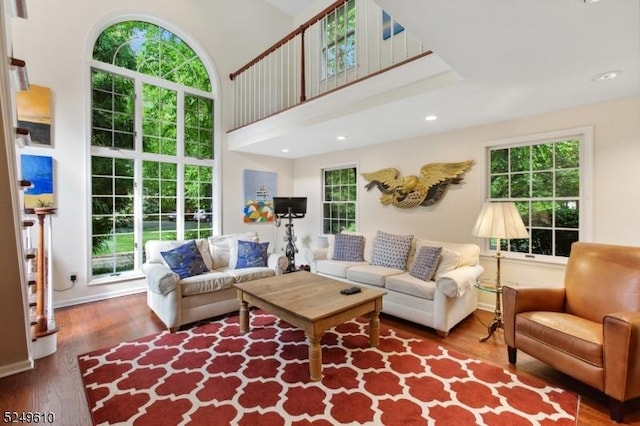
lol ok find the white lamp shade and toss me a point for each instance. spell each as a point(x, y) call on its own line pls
point(500, 220)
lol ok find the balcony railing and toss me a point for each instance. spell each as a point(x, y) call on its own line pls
point(347, 42)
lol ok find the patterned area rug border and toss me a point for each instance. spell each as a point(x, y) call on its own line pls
point(212, 374)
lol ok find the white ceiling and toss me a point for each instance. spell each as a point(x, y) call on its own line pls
point(515, 58)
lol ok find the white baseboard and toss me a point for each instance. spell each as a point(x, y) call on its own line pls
point(100, 296)
point(491, 307)
point(16, 367)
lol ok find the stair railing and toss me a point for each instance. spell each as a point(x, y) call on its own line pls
point(345, 43)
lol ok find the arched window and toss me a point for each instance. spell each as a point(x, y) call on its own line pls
point(152, 145)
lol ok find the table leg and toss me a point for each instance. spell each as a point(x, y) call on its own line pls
point(374, 329)
point(497, 319)
point(493, 326)
point(244, 317)
point(315, 358)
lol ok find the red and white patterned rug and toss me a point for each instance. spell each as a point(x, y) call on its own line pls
point(211, 374)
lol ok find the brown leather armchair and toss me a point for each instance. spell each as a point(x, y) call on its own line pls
point(590, 329)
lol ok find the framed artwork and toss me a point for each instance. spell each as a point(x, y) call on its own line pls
point(259, 190)
point(38, 169)
point(34, 113)
point(387, 25)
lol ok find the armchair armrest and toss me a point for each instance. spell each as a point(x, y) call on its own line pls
point(160, 279)
point(320, 253)
point(534, 299)
point(277, 262)
point(519, 300)
point(456, 283)
point(621, 334)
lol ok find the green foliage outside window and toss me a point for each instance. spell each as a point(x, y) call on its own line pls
point(198, 127)
point(543, 179)
point(112, 214)
point(339, 53)
point(113, 100)
point(151, 50)
point(339, 200)
point(143, 49)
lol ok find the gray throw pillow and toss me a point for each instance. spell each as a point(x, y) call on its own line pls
point(348, 247)
point(391, 250)
point(425, 263)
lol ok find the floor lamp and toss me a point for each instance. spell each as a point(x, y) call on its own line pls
point(499, 220)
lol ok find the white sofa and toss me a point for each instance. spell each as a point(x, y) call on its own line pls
point(182, 301)
point(440, 303)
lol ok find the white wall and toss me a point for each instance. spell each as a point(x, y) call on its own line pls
point(616, 204)
point(56, 43)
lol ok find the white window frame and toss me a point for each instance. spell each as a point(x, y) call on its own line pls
point(326, 44)
point(585, 136)
point(322, 190)
point(137, 155)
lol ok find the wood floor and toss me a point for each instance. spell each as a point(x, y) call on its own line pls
point(54, 384)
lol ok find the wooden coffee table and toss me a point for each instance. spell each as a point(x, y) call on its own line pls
point(314, 304)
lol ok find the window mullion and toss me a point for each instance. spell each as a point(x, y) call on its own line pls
point(138, 213)
point(137, 175)
point(180, 151)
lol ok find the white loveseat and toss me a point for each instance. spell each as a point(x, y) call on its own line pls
point(439, 303)
point(179, 301)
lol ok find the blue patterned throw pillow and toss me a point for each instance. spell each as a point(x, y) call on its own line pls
point(391, 250)
point(425, 263)
point(185, 260)
point(252, 254)
point(348, 247)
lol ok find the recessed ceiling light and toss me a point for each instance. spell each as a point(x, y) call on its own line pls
point(607, 75)
point(431, 117)
point(285, 149)
point(591, 1)
point(341, 138)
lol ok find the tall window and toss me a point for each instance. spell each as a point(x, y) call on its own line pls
point(339, 202)
point(152, 145)
point(339, 40)
point(548, 181)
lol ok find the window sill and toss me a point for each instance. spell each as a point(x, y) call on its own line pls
point(115, 279)
point(543, 260)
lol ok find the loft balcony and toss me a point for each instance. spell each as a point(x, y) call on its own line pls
point(342, 62)
point(487, 65)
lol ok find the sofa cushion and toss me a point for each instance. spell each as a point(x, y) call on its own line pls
point(251, 254)
point(206, 283)
point(468, 254)
point(407, 284)
point(391, 250)
point(425, 263)
point(221, 247)
point(154, 248)
point(250, 274)
point(564, 333)
point(371, 274)
point(369, 240)
point(454, 255)
point(336, 268)
point(349, 248)
point(185, 260)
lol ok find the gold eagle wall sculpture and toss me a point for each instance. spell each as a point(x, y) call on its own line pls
point(412, 191)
